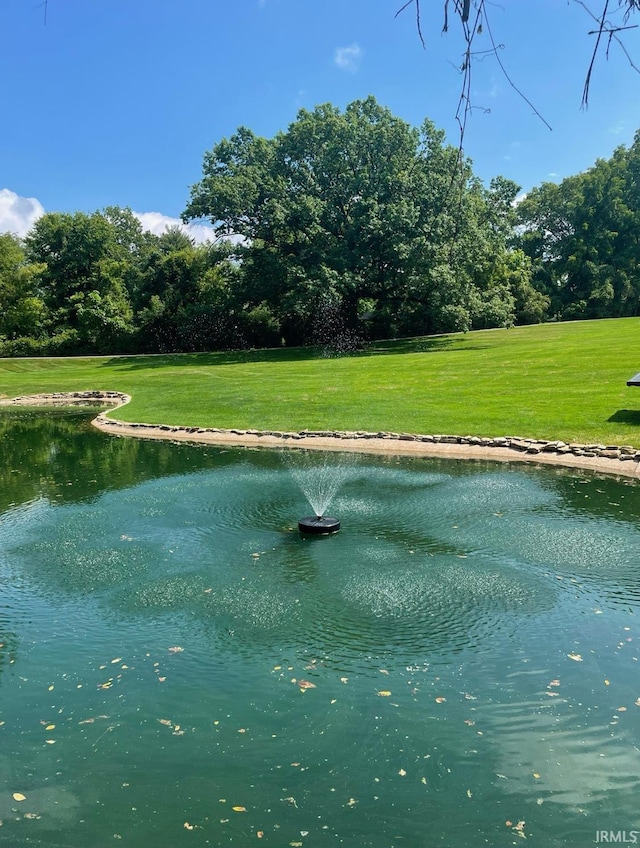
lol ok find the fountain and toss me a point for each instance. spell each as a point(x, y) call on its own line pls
point(319, 477)
point(318, 525)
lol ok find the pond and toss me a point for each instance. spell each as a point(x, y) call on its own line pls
point(458, 666)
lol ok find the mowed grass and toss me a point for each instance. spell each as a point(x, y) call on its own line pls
point(553, 381)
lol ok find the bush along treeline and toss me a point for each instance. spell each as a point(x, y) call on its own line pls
point(351, 225)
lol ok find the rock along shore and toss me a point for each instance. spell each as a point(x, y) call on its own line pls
point(621, 460)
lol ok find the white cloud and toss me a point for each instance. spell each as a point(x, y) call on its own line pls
point(18, 214)
point(158, 223)
point(348, 58)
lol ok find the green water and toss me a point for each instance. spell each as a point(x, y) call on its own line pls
point(471, 637)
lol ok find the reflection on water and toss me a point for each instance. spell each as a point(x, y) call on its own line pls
point(177, 662)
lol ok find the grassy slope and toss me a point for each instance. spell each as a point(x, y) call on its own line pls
point(565, 381)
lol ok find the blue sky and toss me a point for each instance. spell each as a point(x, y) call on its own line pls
point(115, 101)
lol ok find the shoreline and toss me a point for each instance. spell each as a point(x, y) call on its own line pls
point(623, 461)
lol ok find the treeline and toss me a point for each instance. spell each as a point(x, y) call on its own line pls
point(350, 225)
point(100, 284)
point(583, 239)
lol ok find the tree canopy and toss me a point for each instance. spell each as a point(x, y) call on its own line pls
point(583, 237)
point(350, 225)
point(358, 217)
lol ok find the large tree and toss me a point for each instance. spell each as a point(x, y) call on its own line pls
point(351, 214)
point(83, 276)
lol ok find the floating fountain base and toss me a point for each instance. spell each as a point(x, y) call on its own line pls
point(318, 525)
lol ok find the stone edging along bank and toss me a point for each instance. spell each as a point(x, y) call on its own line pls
point(611, 459)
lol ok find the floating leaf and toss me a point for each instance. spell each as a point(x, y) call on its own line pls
point(260, 834)
point(166, 722)
point(306, 684)
point(18, 796)
point(622, 709)
point(402, 773)
point(239, 809)
point(469, 722)
point(536, 775)
point(575, 657)
point(187, 826)
point(385, 693)
point(344, 680)
point(606, 683)
point(351, 802)
point(469, 793)
point(50, 727)
point(440, 700)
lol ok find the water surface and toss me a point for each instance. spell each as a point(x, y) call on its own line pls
point(457, 667)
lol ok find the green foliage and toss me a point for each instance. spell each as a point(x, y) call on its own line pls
point(350, 225)
point(354, 206)
point(99, 284)
point(582, 238)
point(83, 274)
point(22, 310)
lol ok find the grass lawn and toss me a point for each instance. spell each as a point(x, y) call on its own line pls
point(556, 381)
